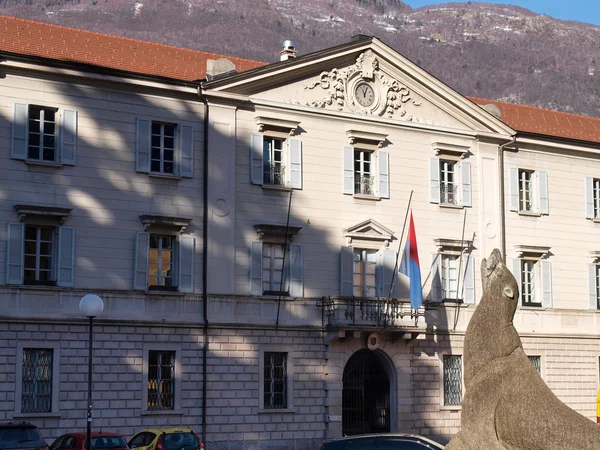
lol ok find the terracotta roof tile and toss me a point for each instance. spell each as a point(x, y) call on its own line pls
point(529, 119)
point(26, 37)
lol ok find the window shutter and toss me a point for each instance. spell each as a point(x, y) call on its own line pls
point(256, 161)
point(346, 272)
point(295, 165)
point(296, 284)
point(18, 148)
point(142, 148)
point(514, 189)
point(140, 275)
point(546, 267)
point(256, 257)
point(434, 180)
point(14, 254)
point(589, 198)
point(469, 279)
point(348, 161)
point(68, 148)
point(186, 264)
point(543, 192)
point(388, 261)
point(186, 151)
point(436, 277)
point(516, 271)
point(66, 256)
point(466, 183)
point(384, 175)
point(592, 287)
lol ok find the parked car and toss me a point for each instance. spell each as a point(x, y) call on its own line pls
point(100, 441)
point(22, 436)
point(166, 439)
point(388, 441)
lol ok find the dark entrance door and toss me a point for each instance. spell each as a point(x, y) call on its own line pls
point(365, 395)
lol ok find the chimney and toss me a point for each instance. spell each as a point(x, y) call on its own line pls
point(288, 52)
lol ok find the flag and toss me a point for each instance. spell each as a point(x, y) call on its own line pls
point(409, 266)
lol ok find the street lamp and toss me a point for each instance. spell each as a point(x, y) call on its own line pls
point(90, 306)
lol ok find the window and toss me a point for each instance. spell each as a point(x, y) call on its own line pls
point(276, 376)
point(536, 361)
point(272, 267)
point(448, 184)
point(363, 177)
point(594, 284)
point(528, 289)
point(161, 380)
point(533, 273)
point(366, 172)
point(39, 251)
point(275, 271)
point(276, 161)
point(528, 191)
point(365, 262)
point(36, 131)
point(592, 198)
point(36, 381)
point(162, 150)
point(273, 162)
point(450, 181)
point(452, 373)
point(450, 276)
point(161, 261)
point(453, 272)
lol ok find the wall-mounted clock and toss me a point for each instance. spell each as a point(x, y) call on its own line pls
point(364, 94)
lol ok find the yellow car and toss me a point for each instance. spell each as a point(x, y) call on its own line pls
point(166, 439)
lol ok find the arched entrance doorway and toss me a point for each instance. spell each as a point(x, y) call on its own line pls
point(365, 394)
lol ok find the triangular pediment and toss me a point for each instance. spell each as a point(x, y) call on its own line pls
point(371, 230)
point(365, 78)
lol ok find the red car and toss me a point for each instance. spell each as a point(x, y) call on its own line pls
point(100, 441)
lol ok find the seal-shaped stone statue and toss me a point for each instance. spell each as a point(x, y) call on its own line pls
point(507, 405)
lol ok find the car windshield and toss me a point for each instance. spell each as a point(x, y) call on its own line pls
point(174, 441)
point(107, 442)
point(19, 437)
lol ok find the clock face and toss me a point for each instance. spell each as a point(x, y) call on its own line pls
point(364, 93)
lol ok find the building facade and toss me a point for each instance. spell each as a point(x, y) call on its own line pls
point(244, 231)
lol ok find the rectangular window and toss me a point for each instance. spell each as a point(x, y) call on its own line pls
point(363, 175)
point(452, 365)
point(275, 380)
point(36, 380)
point(529, 269)
point(273, 164)
point(161, 260)
point(272, 266)
point(526, 190)
point(450, 277)
point(42, 133)
point(365, 262)
point(597, 284)
point(162, 148)
point(161, 380)
point(596, 190)
point(537, 363)
point(39, 245)
point(448, 182)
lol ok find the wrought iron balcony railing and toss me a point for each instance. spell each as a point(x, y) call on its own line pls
point(274, 174)
point(363, 185)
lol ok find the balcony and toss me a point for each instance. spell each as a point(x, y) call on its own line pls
point(274, 174)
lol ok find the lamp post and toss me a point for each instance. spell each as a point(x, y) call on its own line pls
point(90, 306)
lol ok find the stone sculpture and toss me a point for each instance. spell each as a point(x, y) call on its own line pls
point(507, 405)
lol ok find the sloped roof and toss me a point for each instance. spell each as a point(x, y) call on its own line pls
point(26, 37)
point(529, 119)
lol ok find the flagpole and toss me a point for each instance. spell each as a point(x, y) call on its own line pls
point(462, 243)
point(400, 245)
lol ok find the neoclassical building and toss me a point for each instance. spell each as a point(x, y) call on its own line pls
point(242, 222)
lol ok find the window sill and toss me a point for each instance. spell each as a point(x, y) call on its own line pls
point(530, 214)
point(274, 187)
point(450, 408)
point(596, 220)
point(49, 415)
point(164, 176)
point(33, 162)
point(532, 308)
point(164, 293)
point(163, 412)
point(366, 197)
point(276, 411)
point(451, 206)
point(37, 287)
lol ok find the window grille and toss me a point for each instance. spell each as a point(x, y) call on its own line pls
point(36, 380)
point(272, 267)
point(365, 262)
point(160, 261)
point(363, 178)
point(596, 187)
point(537, 363)
point(273, 168)
point(275, 380)
point(452, 380)
point(38, 253)
point(161, 380)
point(525, 190)
point(528, 290)
point(597, 272)
point(450, 276)
point(162, 150)
point(448, 185)
point(42, 133)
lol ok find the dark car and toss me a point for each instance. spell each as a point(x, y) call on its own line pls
point(21, 436)
point(382, 442)
point(100, 441)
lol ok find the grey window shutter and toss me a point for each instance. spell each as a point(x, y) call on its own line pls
point(592, 286)
point(18, 149)
point(384, 174)
point(256, 256)
point(589, 198)
point(296, 275)
point(543, 192)
point(346, 272)
point(256, 160)
point(434, 180)
point(14, 254)
point(514, 188)
point(66, 256)
point(295, 163)
point(469, 279)
point(142, 145)
point(348, 162)
point(466, 183)
point(186, 151)
point(436, 277)
point(140, 273)
point(546, 267)
point(186, 264)
point(516, 271)
point(68, 148)
point(388, 261)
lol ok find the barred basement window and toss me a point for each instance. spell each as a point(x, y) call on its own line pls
point(161, 380)
point(452, 380)
point(36, 391)
point(275, 380)
point(537, 363)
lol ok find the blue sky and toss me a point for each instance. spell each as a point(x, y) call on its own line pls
point(581, 10)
